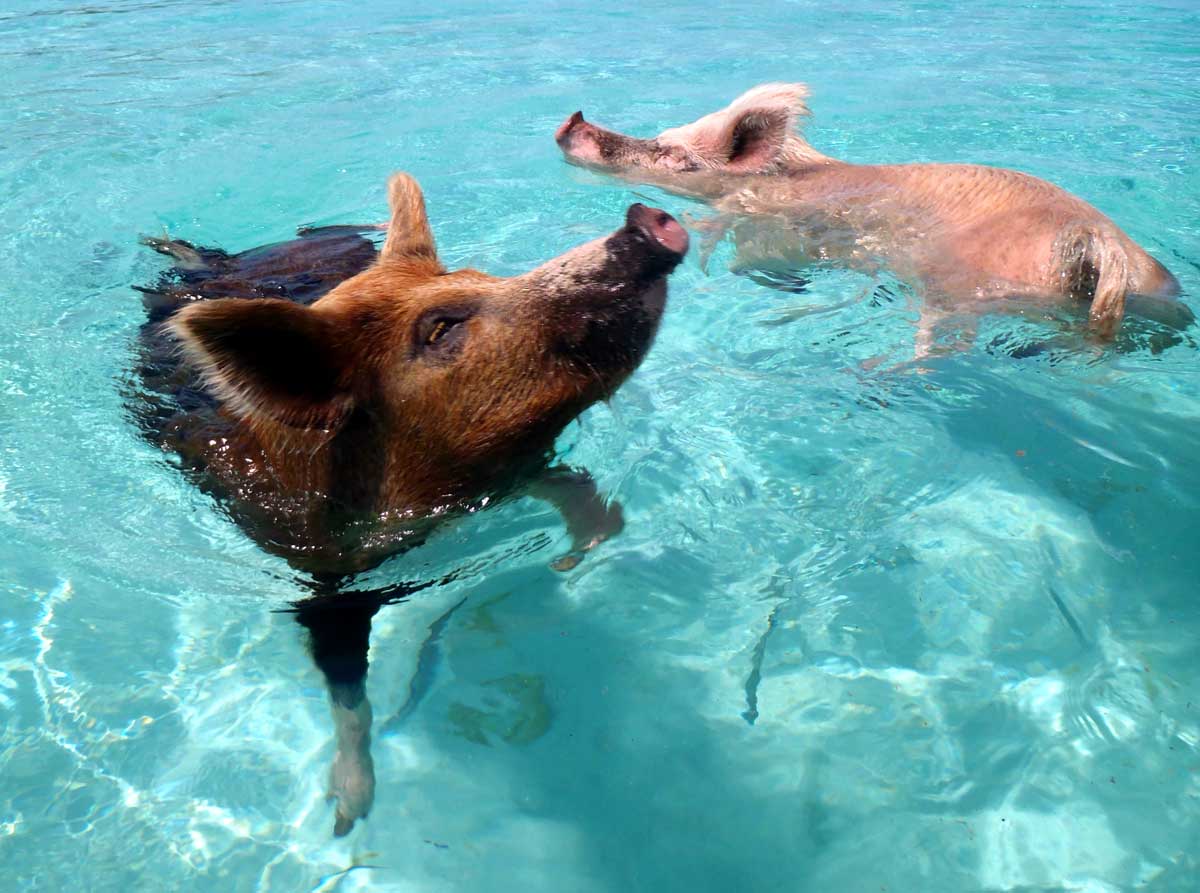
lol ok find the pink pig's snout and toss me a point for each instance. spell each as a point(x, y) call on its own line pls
point(564, 129)
point(659, 226)
point(581, 141)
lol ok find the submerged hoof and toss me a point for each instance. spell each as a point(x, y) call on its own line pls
point(352, 784)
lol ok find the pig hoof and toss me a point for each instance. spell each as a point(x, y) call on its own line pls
point(608, 525)
point(352, 784)
point(571, 560)
point(567, 562)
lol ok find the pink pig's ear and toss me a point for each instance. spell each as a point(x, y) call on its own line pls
point(268, 359)
point(759, 123)
point(409, 236)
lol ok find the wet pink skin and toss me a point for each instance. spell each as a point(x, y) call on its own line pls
point(565, 127)
point(580, 140)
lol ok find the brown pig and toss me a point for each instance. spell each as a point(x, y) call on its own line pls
point(342, 402)
point(960, 231)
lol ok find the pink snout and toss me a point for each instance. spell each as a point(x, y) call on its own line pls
point(567, 126)
point(659, 226)
point(579, 140)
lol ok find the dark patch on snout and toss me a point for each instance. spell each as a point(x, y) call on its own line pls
point(612, 148)
point(622, 304)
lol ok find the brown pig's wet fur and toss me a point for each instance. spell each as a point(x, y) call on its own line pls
point(404, 391)
point(341, 402)
point(961, 231)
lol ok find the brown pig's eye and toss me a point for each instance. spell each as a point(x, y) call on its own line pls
point(441, 332)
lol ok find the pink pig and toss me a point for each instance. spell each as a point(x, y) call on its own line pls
point(962, 232)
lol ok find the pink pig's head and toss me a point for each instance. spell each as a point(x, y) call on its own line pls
point(755, 134)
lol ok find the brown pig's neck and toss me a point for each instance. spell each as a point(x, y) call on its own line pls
point(315, 482)
point(361, 470)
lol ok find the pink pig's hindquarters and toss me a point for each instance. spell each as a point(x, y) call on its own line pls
point(961, 231)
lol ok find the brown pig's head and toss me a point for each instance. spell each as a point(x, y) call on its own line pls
point(755, 134)
point(453, 374)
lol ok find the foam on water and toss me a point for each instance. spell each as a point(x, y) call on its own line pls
point(868, 625)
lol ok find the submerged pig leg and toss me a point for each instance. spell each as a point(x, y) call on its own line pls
point(590, 517)
point(940, 334)
point(339, 628)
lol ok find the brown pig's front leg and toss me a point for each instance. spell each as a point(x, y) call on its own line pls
point(340, 631)
point(591, 519)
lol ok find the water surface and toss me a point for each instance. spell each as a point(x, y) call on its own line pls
point(866, 628)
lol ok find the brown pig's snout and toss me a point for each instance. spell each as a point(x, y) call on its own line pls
point(659, 226)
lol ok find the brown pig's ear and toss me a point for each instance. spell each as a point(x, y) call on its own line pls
point(409, 236)
point(268, 359)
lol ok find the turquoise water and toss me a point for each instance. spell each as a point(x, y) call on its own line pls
point(867, 628)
